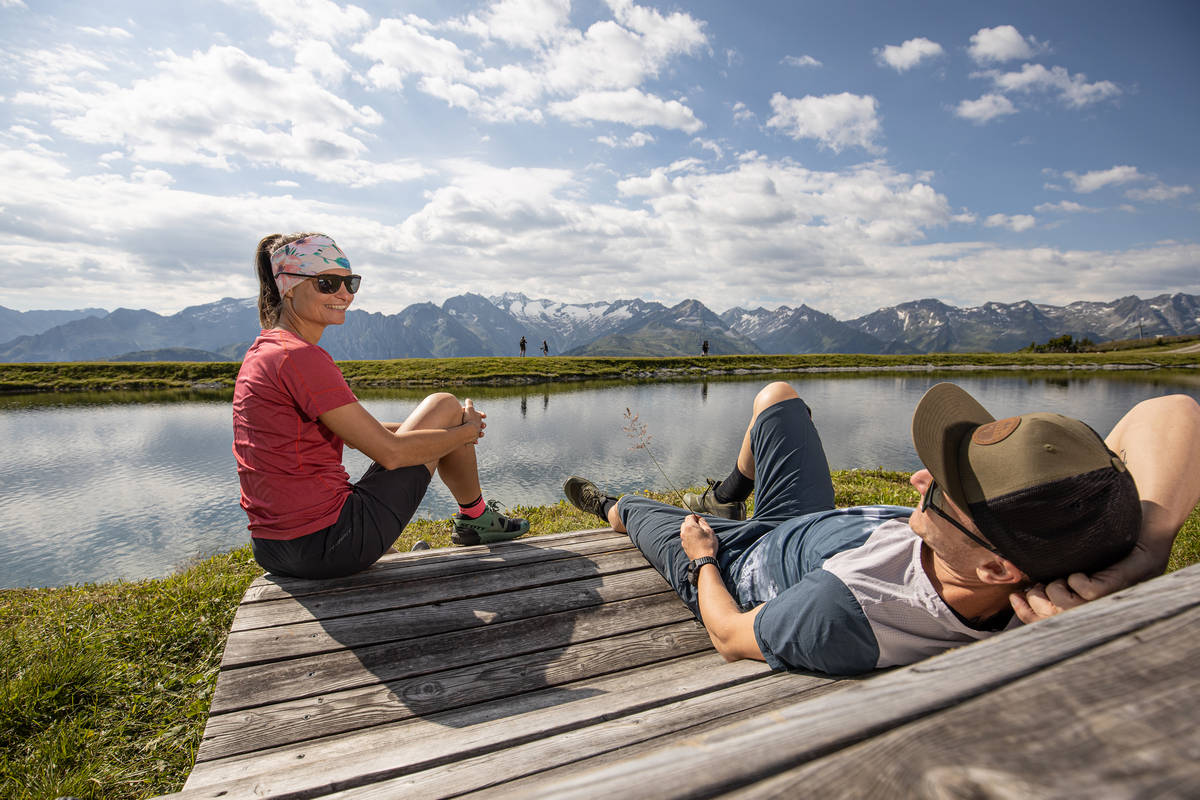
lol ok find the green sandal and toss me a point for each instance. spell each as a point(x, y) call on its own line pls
point(490, 526)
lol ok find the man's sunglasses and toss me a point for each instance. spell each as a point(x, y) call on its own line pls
point(932, 501)
point(329, 284)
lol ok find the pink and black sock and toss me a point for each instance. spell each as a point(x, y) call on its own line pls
point(473, 509)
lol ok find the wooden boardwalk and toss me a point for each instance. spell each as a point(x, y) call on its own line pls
point(553, 666)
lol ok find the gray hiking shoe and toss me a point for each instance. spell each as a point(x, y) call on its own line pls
point(489, 527)
point(706, 503)
point(584, 495)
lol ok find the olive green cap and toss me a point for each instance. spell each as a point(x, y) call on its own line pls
point(1043, 488)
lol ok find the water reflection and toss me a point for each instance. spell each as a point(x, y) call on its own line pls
point(94, 491)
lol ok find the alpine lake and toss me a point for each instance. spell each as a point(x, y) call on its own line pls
point(108, 486)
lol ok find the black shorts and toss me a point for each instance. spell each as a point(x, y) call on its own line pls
point(791, 479)
point(373, 517)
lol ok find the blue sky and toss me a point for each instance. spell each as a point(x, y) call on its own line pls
point(846, 155)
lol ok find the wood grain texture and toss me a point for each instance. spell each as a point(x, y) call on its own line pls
point(425, 743)
point(1117, 721)
point(442, 562)
point(491, 772)
point(812, 729)
point(346, 669)
point(414, 591)
point(262, 646)
point(338, 712)
point(553, 668)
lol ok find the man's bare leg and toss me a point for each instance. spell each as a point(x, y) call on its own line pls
point(768, 396)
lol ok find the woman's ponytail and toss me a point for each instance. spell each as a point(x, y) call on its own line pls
point(270, 303)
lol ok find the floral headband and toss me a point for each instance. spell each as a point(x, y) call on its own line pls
point(311, 255)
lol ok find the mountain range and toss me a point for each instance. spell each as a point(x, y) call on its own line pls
point(474, 325)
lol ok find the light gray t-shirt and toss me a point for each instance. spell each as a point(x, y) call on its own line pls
point(845, 593)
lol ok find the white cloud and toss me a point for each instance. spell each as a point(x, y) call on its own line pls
point(312, 19)
point(1002, 43)
point(631, 107)
point(985, 109)
point(741, 113)
point(837, 121)
point(609, 55)
point(800, 61)
point(1015, 222)
point(1159, 193)
point(219, 108)
point(523, 23)
point(782, 224)
point(1064, 206)
point(1091, 181)
point(904, 57)
point(320, 59)
point(27, 133)
point(1073, 90)
point(64, 67)
point(710, 145)
point(635, 139)
point(106, 32)
point(13, 4)
point(138, 241)
point(401, 49)
point(577, 74)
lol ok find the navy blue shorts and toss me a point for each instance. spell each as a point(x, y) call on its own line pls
point(791, 479)
point(373, 517)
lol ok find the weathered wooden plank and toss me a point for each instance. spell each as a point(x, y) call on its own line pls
point(527, 786)
point(1117, 721)
point(807, 730)
point(420, 591)
point(324, 715)
point(415, 744)
point(264, 645)
point(443, 562)
point(347, 669)
point(486, 772)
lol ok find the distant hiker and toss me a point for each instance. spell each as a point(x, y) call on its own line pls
point(522, 343)
point(545, 348)
point(1019, 519)
point(704, 348)
point(293, 411)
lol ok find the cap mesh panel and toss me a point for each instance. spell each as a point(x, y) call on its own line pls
point(1078, 524)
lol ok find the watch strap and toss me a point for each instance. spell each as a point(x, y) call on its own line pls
point(695, 565)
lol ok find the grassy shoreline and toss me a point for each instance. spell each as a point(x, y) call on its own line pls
point(106, 687)
point(200, 376)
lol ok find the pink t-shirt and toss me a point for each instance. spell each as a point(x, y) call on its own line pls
point(289, 464)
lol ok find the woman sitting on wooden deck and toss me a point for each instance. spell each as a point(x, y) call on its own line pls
point(292, 412)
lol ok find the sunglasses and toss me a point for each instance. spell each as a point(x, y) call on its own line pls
point(329, 284)
point(932, 500)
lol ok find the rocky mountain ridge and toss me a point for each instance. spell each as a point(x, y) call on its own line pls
point(473, 325)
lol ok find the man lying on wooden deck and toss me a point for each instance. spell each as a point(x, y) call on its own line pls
point(1019, 518)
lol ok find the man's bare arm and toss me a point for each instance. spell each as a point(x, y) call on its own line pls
point(1159, 440)
point(730, 629)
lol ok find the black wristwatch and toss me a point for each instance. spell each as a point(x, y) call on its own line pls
point(694, 567)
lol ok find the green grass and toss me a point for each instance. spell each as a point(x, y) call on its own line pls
point(146, 376)
point(106, 687)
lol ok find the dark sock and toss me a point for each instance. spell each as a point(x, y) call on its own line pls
point(604, 509)
point(735, 488)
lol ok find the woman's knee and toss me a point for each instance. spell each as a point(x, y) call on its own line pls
point(441, 409)
point(773, 393)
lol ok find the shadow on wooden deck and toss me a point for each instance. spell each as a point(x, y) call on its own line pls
point(555, 665)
